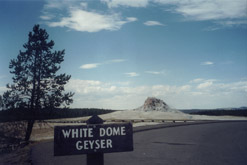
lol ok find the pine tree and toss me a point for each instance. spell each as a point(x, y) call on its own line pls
point(35, 83)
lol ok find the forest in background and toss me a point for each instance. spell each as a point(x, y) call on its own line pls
point(19, 114)
point(58, 113)
point(218, 112)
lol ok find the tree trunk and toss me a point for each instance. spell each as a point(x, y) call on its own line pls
point(32, 110)
point(29, 129)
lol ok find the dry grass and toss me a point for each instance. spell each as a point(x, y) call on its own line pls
point(19, 156)
point(12, 148)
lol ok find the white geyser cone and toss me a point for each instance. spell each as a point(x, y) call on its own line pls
point(154, 104)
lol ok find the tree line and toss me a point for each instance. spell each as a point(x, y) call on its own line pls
point(221, 112)
point(20, 114)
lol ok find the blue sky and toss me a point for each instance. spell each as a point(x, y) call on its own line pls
point(191, 54)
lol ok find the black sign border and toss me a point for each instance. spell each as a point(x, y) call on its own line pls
point(64, 147)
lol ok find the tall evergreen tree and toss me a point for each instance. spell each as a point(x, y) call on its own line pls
point(35, 83)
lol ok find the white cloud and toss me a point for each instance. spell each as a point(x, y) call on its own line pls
point(231, 23)
point(168, 90)
point(95, 65)
point(226, 24)
point(54, 4)
point(63, 4)
point(46, 17)
point(207, 94)
point(79, 18)
point(223, 13)
point(212, 28)
point(131, 19)
point(90, 66)
point(197, 80)
point(200, 10)
point(82, 87)
point(193, 9)
point(205, 85)
point(84, 21)
point(132, 74)
point(153, 23)
point(116, 61)
point(153, 72)
point(157, 72)
point(207, 63)
point(127, 3)
point(76, 15)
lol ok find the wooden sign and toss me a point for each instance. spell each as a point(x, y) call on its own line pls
point(97, 138)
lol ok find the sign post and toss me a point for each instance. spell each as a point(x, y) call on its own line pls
point(97, 158)
point(93, 139)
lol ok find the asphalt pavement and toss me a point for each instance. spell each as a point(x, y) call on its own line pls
point(202, 143)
